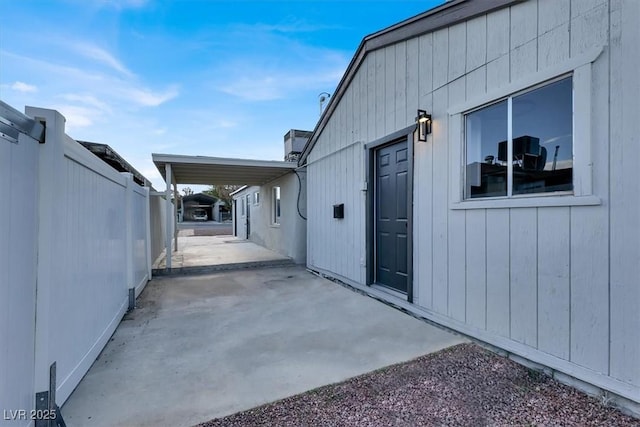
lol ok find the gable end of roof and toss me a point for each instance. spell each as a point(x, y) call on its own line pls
point(445, 15)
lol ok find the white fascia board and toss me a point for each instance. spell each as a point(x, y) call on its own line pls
point(204, 160)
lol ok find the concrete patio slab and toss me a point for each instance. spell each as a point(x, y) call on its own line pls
point(200, 347)
point(216, 251)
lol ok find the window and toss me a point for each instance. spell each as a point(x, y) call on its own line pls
point(522, 144)
point(242, 209)
point(248, 197)
point(275, 205)
point(256, 198)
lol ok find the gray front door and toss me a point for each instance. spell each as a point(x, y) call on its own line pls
point(391, 219)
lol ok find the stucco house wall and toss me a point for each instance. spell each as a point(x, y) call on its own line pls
point(289, 236)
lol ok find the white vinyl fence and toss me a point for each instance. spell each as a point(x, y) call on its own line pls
point(74, 245)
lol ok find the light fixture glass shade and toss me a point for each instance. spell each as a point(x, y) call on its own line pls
point(424, 125)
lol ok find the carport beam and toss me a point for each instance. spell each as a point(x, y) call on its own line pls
point(169, 219)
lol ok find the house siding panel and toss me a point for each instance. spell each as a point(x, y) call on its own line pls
point(557, 285)
point(625, 208)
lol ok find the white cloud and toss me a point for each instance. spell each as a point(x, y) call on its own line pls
point(87, 99)
point(279, 85)
point(77, 117)
point(226, 124)
point(148, 98)
point(254, 89)
point(124, 4)
point(101, 90)
point(23, 87)
point(102, 56)
point(115, 4)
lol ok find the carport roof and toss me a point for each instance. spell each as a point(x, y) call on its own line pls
point(220, 171)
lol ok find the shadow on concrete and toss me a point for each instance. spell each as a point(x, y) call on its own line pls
point(198, 254)
point(206, 346)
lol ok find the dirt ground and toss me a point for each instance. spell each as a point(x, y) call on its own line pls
point(464, 385)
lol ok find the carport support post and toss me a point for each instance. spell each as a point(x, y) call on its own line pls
point(175, 214)
point(169, 214)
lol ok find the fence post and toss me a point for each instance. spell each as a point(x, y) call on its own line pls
point(128, 209)
point(50, 216)
point(147, 216)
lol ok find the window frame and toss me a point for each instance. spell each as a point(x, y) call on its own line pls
point(509, 100)
point(275, 218)
point(579, 68)
point(256, 198)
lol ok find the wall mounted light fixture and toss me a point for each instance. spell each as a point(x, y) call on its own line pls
point(423, 122)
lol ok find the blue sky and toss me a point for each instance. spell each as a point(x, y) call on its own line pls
point(218, 78)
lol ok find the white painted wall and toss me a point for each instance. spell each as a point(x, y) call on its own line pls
point(556, 284)
point(289, 237)
point(75, 239)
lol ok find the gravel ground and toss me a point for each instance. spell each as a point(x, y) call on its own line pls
point(464, 385)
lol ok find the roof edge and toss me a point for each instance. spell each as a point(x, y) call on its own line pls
point(244, 187)
point(231, 161)
point(450, 13)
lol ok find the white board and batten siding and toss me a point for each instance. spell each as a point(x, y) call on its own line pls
point(557, 283)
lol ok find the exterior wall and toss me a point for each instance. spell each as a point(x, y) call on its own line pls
point(289, 238)
point(555, 284)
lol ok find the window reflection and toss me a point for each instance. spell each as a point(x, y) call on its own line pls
point(542, 146)
point(486, 175)
point(543, 139)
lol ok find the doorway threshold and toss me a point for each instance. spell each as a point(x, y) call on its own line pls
point(390, 291)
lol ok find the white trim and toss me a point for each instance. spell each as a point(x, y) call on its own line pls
point(528, 81)
point(528, 201)
point(204, 160)
point(275, 219)
point(581, 77)
point(510, 177)
point(582, 163)
point(238, 190)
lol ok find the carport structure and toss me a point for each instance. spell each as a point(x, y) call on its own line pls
point(180, 169)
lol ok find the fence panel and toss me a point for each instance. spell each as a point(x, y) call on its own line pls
point(92, 250)
point(140, 245)
point(75, 238)
point(157, 207)
point(18, 260)
point(89, 292)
